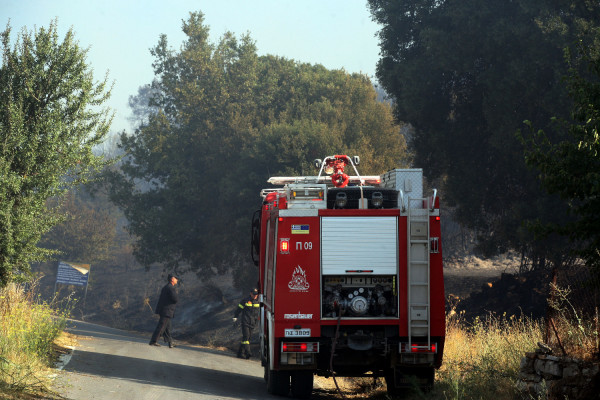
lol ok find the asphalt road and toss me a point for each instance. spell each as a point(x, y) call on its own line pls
point(113, 364)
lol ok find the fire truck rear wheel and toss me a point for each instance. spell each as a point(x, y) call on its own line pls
point(302, 384)
point(278, 382)
point(390, 384)
point(423, 378)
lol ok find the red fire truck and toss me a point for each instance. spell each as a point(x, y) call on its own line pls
point(350, 277)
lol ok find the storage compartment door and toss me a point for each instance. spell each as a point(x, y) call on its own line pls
point(359, 243)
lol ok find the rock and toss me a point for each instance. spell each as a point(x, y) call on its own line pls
point(538, 365)
point(553, 368)
point(570, 370)
point(527, 365)
point(522, 386)
point(544, 348)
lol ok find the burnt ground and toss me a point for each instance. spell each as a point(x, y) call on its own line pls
point(524, 294)
point(480, 287)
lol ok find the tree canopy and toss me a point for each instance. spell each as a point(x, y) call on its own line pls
point(571, 167)
point(221, 121)
point(466, 74)
point(51, 116)
point(87, 233)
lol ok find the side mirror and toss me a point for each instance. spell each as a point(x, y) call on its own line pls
point(317, 163)
point(356, 160)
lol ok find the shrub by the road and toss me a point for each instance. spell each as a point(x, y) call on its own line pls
point(28, 328)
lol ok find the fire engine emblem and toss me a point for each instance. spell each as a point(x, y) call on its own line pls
point(298, 282)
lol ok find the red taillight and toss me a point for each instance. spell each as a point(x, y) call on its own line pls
point(437, 218)
point(415, 348)
point(418, 348)
point(280, 219)
point(299, 347)
point(284, 246)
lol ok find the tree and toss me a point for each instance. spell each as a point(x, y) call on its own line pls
point(86, 235)
point(140, 105)
point(571, 167)
point(465, 74)
point(223, 120)
point(50, 118)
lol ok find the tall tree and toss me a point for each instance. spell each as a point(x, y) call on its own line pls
point(571, 167)
point(223, 120)
point(86, 235)
point(465, 74)
point(50, 118)
point(140, 105)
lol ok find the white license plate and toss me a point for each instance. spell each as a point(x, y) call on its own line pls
point(297, 333)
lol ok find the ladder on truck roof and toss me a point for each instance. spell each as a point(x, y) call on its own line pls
point(419, 307)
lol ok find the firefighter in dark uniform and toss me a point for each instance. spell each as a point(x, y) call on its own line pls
point(249, 308)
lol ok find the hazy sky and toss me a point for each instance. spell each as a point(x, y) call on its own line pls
point(334, 33)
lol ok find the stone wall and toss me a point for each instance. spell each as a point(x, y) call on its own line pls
point(557, 377)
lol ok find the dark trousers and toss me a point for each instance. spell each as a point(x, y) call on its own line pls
point(163, 328)
point(244, 349)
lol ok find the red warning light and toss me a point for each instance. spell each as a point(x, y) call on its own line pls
point(284, 246)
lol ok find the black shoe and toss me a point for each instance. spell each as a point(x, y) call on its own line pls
point(171, 345)
point(154, 344)
point(240, 356)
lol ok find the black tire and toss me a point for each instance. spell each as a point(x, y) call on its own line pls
point(422, 381)
point(302, 384)
point(278, 382)
point(390, 383)
point(266, 368)
point(429, 373)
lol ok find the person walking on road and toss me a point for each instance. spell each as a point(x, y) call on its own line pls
point(249, 308)
point(166, 310)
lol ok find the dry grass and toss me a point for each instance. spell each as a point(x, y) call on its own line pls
point(28, 329)
point(570, 331)
point(351, 388)
point(482, 358)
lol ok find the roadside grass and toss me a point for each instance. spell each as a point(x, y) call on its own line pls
point(28, 330)
point(482, 358)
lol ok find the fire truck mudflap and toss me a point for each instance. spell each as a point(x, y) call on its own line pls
point(350, 273)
